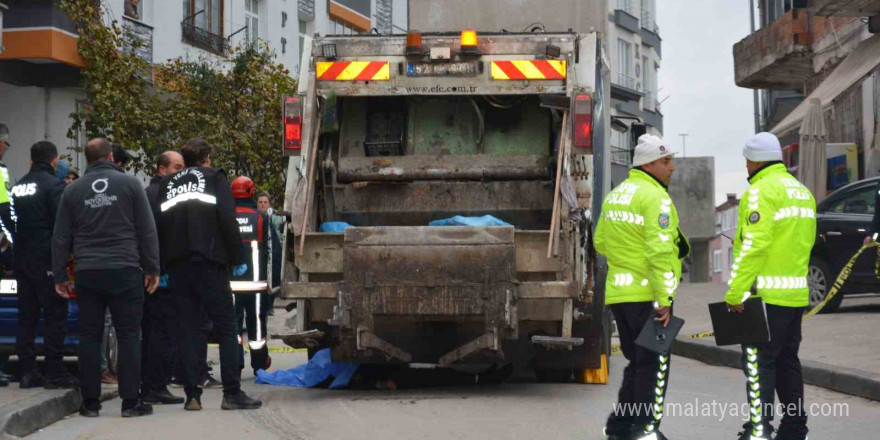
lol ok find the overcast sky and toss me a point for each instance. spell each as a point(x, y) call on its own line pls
point(696, 79)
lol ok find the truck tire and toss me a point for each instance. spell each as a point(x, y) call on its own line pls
point(820, 280)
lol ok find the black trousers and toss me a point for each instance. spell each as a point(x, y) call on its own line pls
point(775, 365)
point(201, 355)
point(202, 285)
point(246, 314)
point(642, 395)
point(158, 341)
point(35, 295)
point(122, 291)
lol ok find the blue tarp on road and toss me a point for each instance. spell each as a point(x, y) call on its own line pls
point(317, 370)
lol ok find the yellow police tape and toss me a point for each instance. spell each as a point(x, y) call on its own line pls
point(843, 275)
point(835, 289)
point(273, 349)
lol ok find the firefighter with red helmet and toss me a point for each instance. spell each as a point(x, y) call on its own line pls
point(250, 284)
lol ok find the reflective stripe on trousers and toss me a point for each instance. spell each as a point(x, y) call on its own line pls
point(659, 396)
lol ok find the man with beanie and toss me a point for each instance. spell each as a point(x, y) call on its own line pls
point(250, 281)
point(36, 198)
point(200, 246)
point(638, 233)
point(776, 228)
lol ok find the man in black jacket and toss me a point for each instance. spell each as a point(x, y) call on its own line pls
point(200, 245)
point(105, 220)
point(36, 198)
point(158, 344)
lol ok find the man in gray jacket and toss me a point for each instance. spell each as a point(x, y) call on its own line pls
point(105, 221)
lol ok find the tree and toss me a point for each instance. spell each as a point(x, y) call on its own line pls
point(234, 103)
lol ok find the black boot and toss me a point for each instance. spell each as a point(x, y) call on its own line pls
point(161, 397)
point(65, 382)
point(138, 409)
point(31, 380)
point(90, 409)
point(240, 401)
point(193, 404)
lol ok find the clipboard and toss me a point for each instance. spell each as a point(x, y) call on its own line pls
point(658, 339)
point(746, 328)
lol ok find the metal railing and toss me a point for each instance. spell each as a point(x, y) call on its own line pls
point(204, 39)
point(626, 6)
point(625, 80)
point(648, 22)
point(621, 156)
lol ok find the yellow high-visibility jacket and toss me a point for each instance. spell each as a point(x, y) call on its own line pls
point(775, 232)
point(639, 235)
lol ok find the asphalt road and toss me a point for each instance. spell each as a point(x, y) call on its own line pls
point(520, 410)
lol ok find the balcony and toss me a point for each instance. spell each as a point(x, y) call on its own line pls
point(204, 39)
point(625, 16)
point(778, 56)
point(844, 8)
point(138, 38)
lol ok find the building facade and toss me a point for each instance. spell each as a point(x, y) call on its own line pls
point(721, 245)
point(40, 84)
point(692, 190)
point(798, 52)
point(635, 54)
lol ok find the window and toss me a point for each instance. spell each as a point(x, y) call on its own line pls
point(134, 9)
point(303, 30)
point(624, 65)
point(252, 19)
point(716, 260)
point(340, 28)
point(858, 202)
point(204, 14)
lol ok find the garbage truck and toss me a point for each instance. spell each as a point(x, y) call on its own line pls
point(505, 132)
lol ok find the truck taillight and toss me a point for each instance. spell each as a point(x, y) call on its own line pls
point(583, 121)
point(292, 123)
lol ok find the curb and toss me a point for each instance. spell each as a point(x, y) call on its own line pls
point(39, 411)
point(845, 380)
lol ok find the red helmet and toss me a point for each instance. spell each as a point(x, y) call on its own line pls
point(243, 188)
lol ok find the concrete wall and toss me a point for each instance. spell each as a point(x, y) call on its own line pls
point(512, 15)
point(693, 191)
point(36, 114)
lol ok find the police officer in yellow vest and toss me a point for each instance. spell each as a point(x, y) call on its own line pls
point(639, 235)
point(776, 228)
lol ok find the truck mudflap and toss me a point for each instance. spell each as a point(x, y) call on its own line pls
point(426, 294)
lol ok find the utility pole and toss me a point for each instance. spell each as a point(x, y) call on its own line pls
point(683, 138)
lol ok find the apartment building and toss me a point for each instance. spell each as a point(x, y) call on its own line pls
point(635, 51)
point(40, 83)
point(822, 49)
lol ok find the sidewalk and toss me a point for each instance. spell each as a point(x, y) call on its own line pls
point(840, 351)
point(25, 411)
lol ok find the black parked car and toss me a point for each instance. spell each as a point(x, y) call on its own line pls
point(843, 220)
